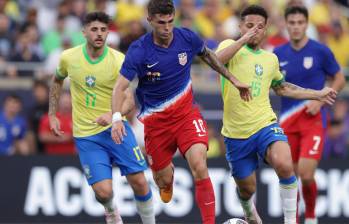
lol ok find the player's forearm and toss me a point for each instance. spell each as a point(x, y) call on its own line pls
point(55, 91)
point(228, 53)
point(212, 60)
point(129, 103)
point(338, 82)
point(118, 100)
point(290, 90)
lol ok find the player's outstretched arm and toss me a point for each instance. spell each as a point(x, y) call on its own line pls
point(118, 99)
point(129, 104)
point(337, 83)
point(55, 92)
point(228, 53)
point(326, 95)
point(211, 59)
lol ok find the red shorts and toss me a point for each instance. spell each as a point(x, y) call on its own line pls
point(306, 136)
point(164, 136)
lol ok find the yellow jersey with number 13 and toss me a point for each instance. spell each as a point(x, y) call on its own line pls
point(260, 69)
point(91, 85)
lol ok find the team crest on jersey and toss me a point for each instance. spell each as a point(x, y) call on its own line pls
point(182, 58)
point(90, 81)
point(258, 69)
point(308, 62)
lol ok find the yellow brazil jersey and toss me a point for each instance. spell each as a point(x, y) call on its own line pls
point(260, 69)
point(91, 85)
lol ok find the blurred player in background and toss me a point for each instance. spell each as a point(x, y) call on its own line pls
point(93, 69)
point(251, 131)
point(306, 63)
point(13, 128)
point(162, 60)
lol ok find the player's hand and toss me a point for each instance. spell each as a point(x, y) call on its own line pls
point(104, 119)
point(118, 132)
point(249, 35)
point(327, 95)
point(55, 126)
point(244, 89)
point(313, 107)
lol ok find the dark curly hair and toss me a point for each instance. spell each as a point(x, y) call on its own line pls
point(96, 16)
point(164, 7)
point(254, 10)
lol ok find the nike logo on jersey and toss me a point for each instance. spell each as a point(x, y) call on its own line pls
point(201, 135)
point(283, 63)
point(152, 65)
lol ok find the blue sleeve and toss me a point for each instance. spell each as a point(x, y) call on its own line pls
point(330, 64)
point(197, 43)
point(130, 67)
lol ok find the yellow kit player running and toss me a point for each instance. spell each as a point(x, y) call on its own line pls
point(93, 69)
point(250, 128)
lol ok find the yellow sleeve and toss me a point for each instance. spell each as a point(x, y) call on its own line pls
point(278, 77)
point(221, 46)
point(224, 44)
point(62, 71)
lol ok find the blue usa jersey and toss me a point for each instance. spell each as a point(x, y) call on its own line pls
point(10, 131)
point(308, 68)
point(163, 73)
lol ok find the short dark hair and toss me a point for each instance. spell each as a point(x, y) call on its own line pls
point(296, 10)
point(13, 96)
point(96, 16)
point(254, 10)
point(164, 7)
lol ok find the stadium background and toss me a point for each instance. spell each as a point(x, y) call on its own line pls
point(41, 181)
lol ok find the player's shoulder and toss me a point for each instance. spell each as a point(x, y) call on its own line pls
point(71, 52)
point(316, 46)
point(183, 31)
point(139, 46)
point(268, 53)
point(115, 53)
point(225, 43)
point(185, 34)
point(282, 48)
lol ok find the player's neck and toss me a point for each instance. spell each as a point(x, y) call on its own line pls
point(254, 47)
point(297, 45)
point(161, 42)
point(94, 53)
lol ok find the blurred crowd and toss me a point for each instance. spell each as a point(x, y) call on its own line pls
point(33, 33)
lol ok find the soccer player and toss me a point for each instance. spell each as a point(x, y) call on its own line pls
point(162, 60)
point(251, 131)
point(306, 63)
point(93, 69)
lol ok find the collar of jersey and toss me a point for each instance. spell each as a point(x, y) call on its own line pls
point(253, 51)
point(84, 50)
